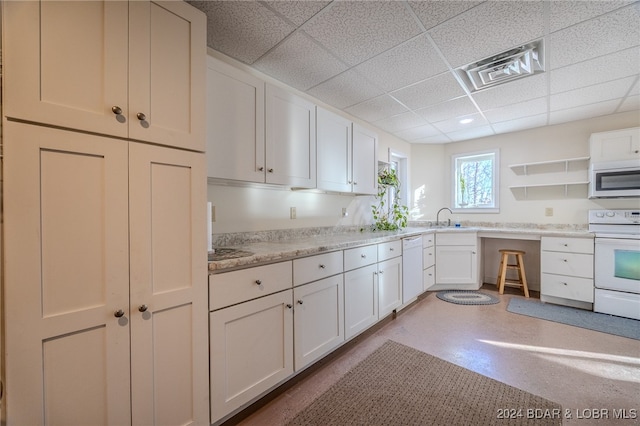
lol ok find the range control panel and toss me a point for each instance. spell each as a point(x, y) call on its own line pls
point(614, 216)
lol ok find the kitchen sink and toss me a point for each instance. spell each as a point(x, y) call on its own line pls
point(228, 253)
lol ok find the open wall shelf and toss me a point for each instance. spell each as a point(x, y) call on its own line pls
point(566, 175)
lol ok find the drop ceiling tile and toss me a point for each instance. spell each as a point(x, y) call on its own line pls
point(520, 124)
point(566, 13)
point(616, 89)
point(448, 109)
point(453, 124)
point(606, 34)
point(429, 92)
point(433, 139)
point(241, 29)
point(377, 108)
point(420, 132)
point(583, 112)
point(408, 63)
point(513, 92)
point(599, 70)
point(358, 30)
point(517, 111)
point(476, 132)
point(344, 90)
point(487, 29)
point(400, 122)
point(432, 13)
point(630, 103)
point(300, 62)
point(297, 12)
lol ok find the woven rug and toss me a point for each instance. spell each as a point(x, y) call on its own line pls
point(467, 297)
point(399, 385)
point(625, 327)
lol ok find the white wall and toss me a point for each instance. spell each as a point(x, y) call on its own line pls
point(431, 171)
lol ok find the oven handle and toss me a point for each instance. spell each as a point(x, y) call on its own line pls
point(624, 242)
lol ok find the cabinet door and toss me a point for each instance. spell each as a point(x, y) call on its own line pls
point(65, 63)
point(389, 286)
point(167, 74)
point(456, 265)
point(235, 123)
point(365, 161)
point(290, 139)
point(168, 285)
point(360, 300)
point(66, 271)
point(318, 319)
point(334, 151)
point(616, 145)
point(251, 351)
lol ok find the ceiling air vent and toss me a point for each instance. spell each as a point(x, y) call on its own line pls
point(507, 66)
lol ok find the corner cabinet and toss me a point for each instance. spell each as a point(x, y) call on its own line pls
point(105, 285)
point(127, 69)
point(290, 139)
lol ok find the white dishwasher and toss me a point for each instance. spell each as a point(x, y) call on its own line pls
point(411, 268)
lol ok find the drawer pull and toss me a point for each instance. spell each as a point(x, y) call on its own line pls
point(119, 313)
point(143, 308)
point(300, 302)
point(566, 245)
point(289, 305)
point(564, 260)
point(259, 282)
point(363, 256)
point(390, 248)
point(321, 266)
point(565, 283)
point(381, 272)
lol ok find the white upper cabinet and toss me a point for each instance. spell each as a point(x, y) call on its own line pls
point(235, 123)
point(334, 151)
point(131, 70)
point(290, 139)
point(365, 161)
point(615, 145)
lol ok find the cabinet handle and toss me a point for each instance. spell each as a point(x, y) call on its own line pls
point(116, 110)
point(364, 256)
point(391, 249)
point(261, 169)
point(289, 305)
point(381, 272)
point(119, 313)
point(143, 308)
point(473, 252)
point(270, 170)
point(565, 283)
point(321, 266)
point(355, 183)
point(299, 302)
point(141, 116)
point(564, 260)
point(566, 245)
point(259, 282)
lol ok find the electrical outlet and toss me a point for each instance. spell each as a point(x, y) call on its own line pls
point(292, 212)
point(548, 211)
point(344, 212)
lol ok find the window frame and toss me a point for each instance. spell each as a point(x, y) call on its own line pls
point(495, 208)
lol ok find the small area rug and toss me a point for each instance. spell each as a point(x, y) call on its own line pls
point(467, 297)
point(399, 385)
point(619, 326)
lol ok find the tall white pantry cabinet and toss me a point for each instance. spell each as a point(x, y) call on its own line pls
point(105, 290)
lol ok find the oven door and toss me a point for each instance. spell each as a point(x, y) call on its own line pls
point(617, 264)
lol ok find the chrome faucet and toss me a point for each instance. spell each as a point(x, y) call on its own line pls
point(438, 216)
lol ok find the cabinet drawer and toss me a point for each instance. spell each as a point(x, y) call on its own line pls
point(573, 288)
point(571, 245)
point(428, 240)
point(316, 267)
point(428, 257)
point(428, 278)
point(389, 250)
point(238, 286)
point(457, 239)
point(577, 265)
point(360, 256)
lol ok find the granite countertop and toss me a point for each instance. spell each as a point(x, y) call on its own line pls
point(270, 251)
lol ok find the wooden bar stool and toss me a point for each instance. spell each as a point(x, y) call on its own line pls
point(519, 266)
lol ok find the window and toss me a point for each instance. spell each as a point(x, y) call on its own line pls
point(475, 182)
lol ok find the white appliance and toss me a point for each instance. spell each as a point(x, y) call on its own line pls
point(617, 179)
point(411, 268)
point(617, 262)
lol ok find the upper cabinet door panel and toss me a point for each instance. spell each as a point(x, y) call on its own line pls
point(167, 61)
point(65, 64)
point(365, 161)
point(290, 139)
point(235, 123)
point(334, 151)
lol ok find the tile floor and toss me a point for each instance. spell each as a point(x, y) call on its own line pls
point(585, 371)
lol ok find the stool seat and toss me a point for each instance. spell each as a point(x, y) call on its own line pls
point(518, 266)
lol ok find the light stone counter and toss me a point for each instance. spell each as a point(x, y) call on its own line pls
point(291, 244)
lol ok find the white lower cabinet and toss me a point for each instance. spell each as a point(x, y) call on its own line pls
point(389, 277)
point(318, 319)
point(251, 350)
point(360, 299)
point(428, 261)
point(457, 260)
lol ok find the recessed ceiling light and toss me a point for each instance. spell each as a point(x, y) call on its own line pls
point(466, 120)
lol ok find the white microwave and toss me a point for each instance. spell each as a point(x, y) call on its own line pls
point(618, 179)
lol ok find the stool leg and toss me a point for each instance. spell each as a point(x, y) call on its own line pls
point(503, 272)
point(499, 272)
point(522, 275)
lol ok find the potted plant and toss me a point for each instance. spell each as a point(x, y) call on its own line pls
point(388, 213)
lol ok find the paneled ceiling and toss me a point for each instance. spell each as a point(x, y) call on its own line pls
point(392, 63)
